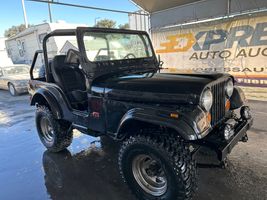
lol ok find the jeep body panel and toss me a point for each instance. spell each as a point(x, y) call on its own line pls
point(158, 88)
point(107, 115)
point(61, 108)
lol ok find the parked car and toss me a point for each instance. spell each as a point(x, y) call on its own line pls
point(161, 119)
point(14, 79)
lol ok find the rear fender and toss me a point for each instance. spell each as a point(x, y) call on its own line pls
point(154, 118)
point(40, 95)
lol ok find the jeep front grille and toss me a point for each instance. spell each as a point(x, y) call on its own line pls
point(218, 107)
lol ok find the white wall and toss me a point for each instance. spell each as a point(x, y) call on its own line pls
point(22, 47)
point(4, 59)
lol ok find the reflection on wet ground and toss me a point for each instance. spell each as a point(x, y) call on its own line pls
point(89, 174)
point(88, 169)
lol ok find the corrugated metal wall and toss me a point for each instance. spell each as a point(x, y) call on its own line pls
point(203, 10)
point(139, 22)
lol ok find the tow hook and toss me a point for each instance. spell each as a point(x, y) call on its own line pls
point(244, 139)
point(223, 164)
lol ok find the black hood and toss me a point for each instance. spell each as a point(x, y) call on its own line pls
point(159, 87)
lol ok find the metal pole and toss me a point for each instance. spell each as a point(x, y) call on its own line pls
point(86, 7)
point(228, 7)
point(24, 13)
point(50, 13)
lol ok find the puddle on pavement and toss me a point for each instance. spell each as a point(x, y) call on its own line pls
point(87, 170)
point(87, 173)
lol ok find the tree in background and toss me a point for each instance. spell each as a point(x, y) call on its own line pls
point(106, 23)
point(14, 30)
point(124, 26)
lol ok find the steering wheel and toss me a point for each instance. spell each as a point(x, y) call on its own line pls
point(129, 55)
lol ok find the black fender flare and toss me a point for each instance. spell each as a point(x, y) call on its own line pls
point(51, 100)
point(238, 98)
point(151, 116)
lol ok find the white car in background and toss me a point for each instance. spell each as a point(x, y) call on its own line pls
point(15, 79)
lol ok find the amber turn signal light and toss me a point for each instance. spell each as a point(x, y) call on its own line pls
point(227, 105)
point(208, 118)
point(174, 115)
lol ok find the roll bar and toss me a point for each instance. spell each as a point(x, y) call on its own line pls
point(34, 61)
point(61, 32)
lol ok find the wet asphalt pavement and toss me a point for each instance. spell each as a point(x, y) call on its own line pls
point(88, 169)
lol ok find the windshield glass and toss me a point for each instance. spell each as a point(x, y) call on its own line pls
point(116, 46)
point(14, 70)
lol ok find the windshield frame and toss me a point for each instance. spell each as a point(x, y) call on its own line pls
point(83, 30)
point(93, 70)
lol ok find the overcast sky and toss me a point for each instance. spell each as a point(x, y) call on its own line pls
point(11, 12)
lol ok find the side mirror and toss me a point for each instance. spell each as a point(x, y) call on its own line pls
point(73, 57)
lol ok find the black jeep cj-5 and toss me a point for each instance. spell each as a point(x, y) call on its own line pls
point(111, 85)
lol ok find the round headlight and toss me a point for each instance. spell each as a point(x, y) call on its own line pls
point(206, 99)
point(229, 88)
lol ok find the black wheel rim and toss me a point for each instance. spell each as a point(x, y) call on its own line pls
point(47, 130)
point(149, 175)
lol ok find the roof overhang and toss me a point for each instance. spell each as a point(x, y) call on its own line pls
point(152, 6)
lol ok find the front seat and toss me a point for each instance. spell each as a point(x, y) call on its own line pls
point(71, 80)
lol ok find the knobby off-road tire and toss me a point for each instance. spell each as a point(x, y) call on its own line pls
point(54, 134)
point(176, 162)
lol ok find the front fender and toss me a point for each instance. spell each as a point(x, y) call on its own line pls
point(155, 117)
point(238, 98)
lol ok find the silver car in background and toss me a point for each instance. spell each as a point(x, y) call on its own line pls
point(15, 79)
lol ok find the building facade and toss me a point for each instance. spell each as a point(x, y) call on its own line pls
point(212, 36)
point(21, 48)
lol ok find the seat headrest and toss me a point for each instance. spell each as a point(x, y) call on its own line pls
point(59, 61)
